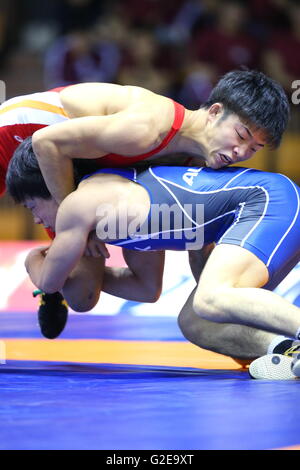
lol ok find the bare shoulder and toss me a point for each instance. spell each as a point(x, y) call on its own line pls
point(105, 188)
point(102, 99)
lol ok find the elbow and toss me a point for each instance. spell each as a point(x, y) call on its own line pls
point(42, 146)
point(152, 294)
point(151, 299)
point(38, 143)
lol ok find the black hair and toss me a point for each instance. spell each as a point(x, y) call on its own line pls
point(24, 178)
point(258, 100)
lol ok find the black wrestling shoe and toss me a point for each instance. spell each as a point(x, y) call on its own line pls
point(52, 314)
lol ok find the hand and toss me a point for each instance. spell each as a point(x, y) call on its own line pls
point(95, 247)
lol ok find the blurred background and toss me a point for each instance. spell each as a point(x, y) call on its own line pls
point(178, 48)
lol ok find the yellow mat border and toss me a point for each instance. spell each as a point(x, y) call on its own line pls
point(171, 353)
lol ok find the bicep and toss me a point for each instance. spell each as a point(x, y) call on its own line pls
point(73, 224)
point(72, 139)
point(125, 133)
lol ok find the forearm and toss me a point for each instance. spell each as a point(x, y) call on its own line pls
point(47, 284)
point(89, 137)
point(120, 282)
point(57, 171)
point(36, 269)
point(50, 268)
point(123, 283)
point(56, 281)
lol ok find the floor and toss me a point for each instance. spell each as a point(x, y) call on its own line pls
point(129, 382)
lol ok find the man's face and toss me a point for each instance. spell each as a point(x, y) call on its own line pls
point(43, 211)
point(229, 140)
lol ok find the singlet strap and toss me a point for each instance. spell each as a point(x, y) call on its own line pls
point(116, 159)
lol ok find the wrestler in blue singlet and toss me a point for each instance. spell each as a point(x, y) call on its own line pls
point(256, 210)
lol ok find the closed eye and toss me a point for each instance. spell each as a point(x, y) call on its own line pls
point(241, 137)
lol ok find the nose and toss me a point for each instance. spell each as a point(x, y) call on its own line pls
point(238, 153)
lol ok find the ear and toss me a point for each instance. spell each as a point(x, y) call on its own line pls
point(215, 112)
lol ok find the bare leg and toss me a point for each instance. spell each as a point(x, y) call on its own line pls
point(83, 286)
point(229, 292)
point(232, 340)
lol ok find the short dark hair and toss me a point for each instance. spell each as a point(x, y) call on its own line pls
point(24, 178)
point(257, 99)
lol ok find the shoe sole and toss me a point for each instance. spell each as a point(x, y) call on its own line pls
point(272, 367)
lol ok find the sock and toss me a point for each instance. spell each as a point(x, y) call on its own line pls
point(279, 345)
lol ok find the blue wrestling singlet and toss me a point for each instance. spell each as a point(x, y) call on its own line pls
point(256, 210)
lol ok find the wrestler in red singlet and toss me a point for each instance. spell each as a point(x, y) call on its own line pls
point(20, 117)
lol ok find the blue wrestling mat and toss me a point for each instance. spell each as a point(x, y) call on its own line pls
point(123, 382)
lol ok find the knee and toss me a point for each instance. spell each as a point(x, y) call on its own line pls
point(81, 301)
point(206, 305)
point(82, 305)
point(183, 322)
point(189, 325)
point(195, 329)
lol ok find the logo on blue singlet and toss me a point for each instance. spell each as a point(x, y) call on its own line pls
point(189, 176)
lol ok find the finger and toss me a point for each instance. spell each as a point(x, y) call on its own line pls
point(104, 251)
point(96, 253)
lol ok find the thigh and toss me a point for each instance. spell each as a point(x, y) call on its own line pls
point(233, 266)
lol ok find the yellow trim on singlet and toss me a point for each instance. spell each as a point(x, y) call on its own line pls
point(35, 105)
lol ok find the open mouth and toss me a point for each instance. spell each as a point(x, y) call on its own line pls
point(225, 159)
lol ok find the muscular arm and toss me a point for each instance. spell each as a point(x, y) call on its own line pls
point(129, 132)
point(140, 281)
point(49, 271)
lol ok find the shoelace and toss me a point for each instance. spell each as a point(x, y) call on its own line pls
point(292, 350)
